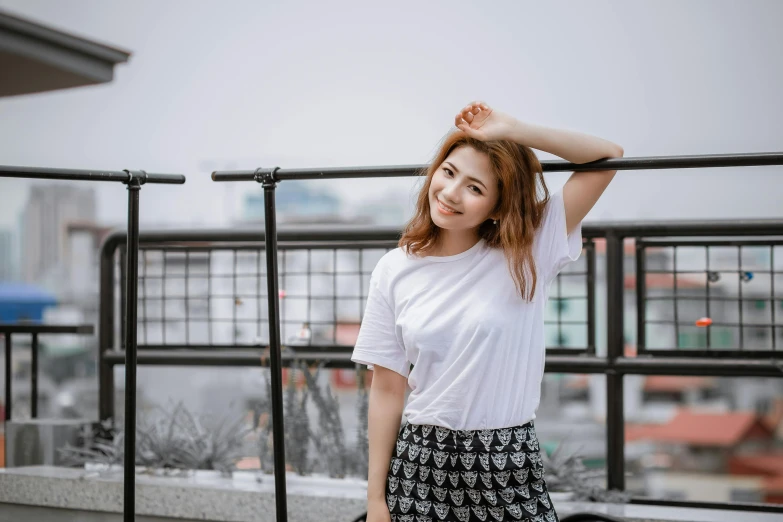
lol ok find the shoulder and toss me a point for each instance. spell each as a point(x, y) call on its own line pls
point(553, 210)
point(390, 262)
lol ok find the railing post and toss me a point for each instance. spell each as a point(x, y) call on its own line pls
point(136, 179)
point(106, 331)
point(615, 416)
point(34, 378)
point(641, 302)
point(269, 182)
point(8, 377)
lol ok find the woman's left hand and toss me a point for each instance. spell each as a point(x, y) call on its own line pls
point(479, 121)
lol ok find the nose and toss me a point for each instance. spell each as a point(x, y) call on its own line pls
point(447, 195)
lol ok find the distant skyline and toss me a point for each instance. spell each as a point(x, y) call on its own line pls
point(348, 84)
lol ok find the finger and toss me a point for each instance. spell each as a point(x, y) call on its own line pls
point(474, 110)
point(462, 125)
point(467, 116)
point(470, 109)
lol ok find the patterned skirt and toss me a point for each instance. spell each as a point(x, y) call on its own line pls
point(438, 474)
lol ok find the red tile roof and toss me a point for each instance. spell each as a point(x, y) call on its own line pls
point(655, 383)
point(775, 415)
point(676, 383)
point(703, 429)
point(767, 464)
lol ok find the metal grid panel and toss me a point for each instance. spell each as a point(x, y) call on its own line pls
point(712, 298)
point(569, 321)
point(214, 296)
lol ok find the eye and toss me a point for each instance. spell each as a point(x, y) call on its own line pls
point(449, 173)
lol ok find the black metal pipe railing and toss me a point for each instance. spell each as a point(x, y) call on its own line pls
point(639, 163)
point(34, 330)
point(614, 366)
point(578, 364)
point(615, 433)
point(316, 236)
point(615, 441)
point(133, 179)
point(123, 176)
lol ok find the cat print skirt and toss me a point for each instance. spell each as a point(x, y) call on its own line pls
point(494, 475)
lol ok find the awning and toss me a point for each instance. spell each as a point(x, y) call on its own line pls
point(35, 58)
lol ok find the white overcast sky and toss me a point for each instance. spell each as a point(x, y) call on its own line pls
point(244, 84)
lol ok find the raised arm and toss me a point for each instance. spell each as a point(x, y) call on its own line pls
point(582, 189)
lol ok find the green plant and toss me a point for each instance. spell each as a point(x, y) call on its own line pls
point(362, 411)
point(175, 440)
point(329, 438)
point(567, 472)
point(297, 425)
point(331, 455)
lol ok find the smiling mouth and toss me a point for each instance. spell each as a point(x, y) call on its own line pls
point(447, 209)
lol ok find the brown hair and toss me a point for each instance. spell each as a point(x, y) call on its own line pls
point(522, 198)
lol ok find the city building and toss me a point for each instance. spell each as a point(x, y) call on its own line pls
point(45, 216)
point(7, 255)
point(294, 202)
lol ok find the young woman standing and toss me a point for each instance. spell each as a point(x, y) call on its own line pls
point(462, 300)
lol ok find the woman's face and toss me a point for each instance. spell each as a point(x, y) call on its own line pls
point(465, 183)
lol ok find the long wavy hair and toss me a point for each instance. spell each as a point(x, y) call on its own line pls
point(523, 195)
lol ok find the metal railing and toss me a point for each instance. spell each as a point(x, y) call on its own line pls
point(175, 250)
point(34, 330)
point(133, 179)
point(614, 239)
point(582, 359)
point(615, 365)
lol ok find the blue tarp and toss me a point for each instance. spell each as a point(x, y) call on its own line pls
point(22, 302)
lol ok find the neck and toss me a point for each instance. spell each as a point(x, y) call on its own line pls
point(453, 242)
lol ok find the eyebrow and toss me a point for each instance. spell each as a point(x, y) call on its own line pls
point(469, 177)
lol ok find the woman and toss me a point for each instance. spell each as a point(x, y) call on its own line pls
point(462, 299)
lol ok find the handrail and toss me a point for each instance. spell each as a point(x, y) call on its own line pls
point(133, 179)
point(122, 176)
point(638, 163)
point(8, 329)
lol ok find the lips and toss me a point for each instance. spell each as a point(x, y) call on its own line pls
point(448, 209)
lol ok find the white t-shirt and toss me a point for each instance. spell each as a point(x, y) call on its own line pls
point(477, 347)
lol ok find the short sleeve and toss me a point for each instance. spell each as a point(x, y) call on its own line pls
point(555, 247)
point(377, 342)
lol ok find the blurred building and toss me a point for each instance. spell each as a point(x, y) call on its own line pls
point(293, 202)
point(386, 212)
point(7, 255)
point(719, 456)
point(45, 216)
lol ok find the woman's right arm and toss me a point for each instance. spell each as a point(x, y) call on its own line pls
point(387, 400)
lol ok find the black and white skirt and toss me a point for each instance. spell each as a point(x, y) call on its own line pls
point(438, 474)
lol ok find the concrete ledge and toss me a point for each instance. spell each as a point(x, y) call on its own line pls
point(47, 493)
point(203, 496)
